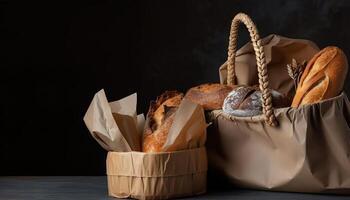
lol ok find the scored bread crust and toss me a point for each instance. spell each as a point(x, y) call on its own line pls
point(245, 101)
point(210, 96)
point(160, 117)
point(323, 77)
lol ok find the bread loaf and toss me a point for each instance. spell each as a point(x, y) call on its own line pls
point(159, 120)
point(210, 95)
point(322, 78)
point(245, 101)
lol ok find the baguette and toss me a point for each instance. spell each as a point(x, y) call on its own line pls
point(322, 78)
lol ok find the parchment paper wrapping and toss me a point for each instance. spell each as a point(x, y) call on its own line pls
point(181, 171)
point(188, 130)
point(308, 152)
point(115, 126)
point(279, 52)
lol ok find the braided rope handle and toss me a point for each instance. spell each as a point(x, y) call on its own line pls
point(260, 61)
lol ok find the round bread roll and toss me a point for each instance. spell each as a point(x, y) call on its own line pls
point(210, 95)
point(245, 101)
point(160, 117)
point(323, 77)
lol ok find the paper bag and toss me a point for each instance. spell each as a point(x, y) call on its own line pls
point(178, 171)
point(279, 52)
point(304, 149)
point(308, 152)
point(157, 175)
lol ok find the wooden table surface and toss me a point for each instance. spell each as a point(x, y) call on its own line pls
point(95, 188)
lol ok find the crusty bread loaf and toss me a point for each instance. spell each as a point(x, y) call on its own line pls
point(159, 120)
point(210, 95)
point(322, 78)
point(245, 101)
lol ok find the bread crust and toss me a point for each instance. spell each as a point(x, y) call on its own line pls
point(323, 77)
point(210, 96)
point(245, 101)
point(160, 117)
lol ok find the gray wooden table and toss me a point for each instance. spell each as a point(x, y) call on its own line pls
point(95, 188)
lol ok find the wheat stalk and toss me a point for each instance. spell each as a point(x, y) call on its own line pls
point(295, 71)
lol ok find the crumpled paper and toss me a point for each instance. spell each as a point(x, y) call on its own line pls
point(117, 127)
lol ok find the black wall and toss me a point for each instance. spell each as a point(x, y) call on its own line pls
point(56, 56)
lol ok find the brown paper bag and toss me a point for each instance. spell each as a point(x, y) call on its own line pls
point(279, 51)
point(157, 175)
point(307, 152)
point(303, 149)
point(181, 171)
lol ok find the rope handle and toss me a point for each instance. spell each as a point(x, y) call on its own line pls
point(266, 96)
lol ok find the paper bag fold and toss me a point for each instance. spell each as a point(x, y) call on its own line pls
point(115, 126)
point(188, 130)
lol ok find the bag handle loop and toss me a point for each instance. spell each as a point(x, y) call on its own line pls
point(260, 61)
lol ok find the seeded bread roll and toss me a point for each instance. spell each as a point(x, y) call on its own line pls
point(322, 78)
point(245, 101)
point(159, 120)
point(210, 95)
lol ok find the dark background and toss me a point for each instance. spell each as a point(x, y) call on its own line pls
point(56, 56)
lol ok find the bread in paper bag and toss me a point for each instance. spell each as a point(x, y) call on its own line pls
point(323, 77)
point(173, 124)
point(181, 170)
